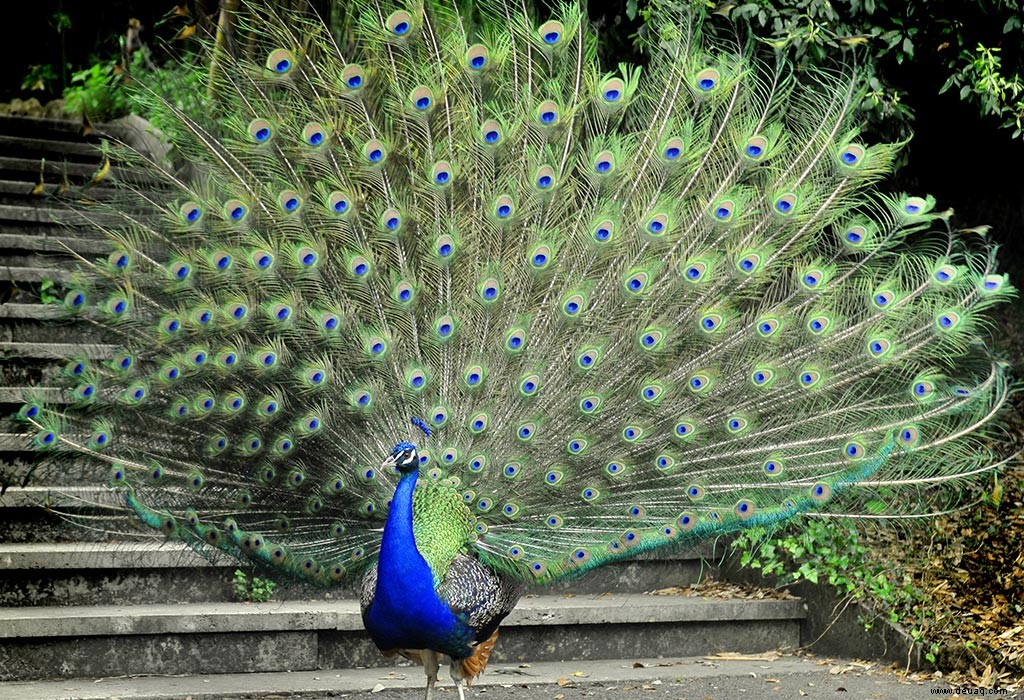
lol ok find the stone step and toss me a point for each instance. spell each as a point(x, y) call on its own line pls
point(12, 168)
point(67, 496)
point(39, 331)
point(16, 394)
point(57, 351)
point(23, 190)
point(42, 642)
point(50, 148)
point(110, 573)
point(24, 217)
point(35, 312)
point(719, 676)
point(62, 129)
point(33, 274)
point(55, 240)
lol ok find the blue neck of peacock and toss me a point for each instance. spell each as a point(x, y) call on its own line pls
point(401, 568)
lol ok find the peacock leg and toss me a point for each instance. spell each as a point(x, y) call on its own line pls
point(430, 667)
point(457, 678)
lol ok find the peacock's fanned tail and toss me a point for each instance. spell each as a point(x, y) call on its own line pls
point(632, 308)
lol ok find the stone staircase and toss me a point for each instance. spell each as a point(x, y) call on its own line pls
point(89, 607)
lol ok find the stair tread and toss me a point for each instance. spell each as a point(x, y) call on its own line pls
point(58, 146)
point(155, 554)
point(30, 311)
point(22, 124)
point(93, 351)
point(32, 496)
point(343, 614)
point(609, 673)
point(151, 554)
point(16, 394)
point(59, 243)
point(33, 274)
point(33, 214)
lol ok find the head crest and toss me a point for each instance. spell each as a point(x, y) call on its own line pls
point(422, 425)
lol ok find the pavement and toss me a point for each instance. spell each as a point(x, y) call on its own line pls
point(720, 677)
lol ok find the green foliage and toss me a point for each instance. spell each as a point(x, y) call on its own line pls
point(50, 292)
point(982, 79)
point(39, 77)
point(96, 91)
point(825, 552)
point(103, 92)
point(835, 552)
point(258, 590)
point(976, 46)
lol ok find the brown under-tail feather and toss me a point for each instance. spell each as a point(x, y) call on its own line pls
point(473, 666)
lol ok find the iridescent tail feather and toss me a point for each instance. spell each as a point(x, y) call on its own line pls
point(633, 308)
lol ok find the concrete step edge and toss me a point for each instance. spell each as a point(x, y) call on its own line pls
point(156, 554)
point(35, 243)
point(17, 394)
point(26, 186)
point(23, 124)
point(343, 615)
point(57, 351)
point(30, 311)
point(51, 167)
point(49, 146)
point(64, 496)
point(332, 683)
point(33, 274)
point(86, 218)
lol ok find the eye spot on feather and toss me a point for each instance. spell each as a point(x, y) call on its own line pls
point(744, 509)
point(855, 235)
point(280, 61)
point(810, 378)
point(947, 321)
point(854, 450)
point(615, 468)
point(786, 204)
point(909, 435)
point(477, 57)
point(551, 32)
point(914, 206)
point(603, 231)
point(399, 23)
point(260, 130)
point(375, 152)
point(353, 76)
point(672, 149)
point(992, 283)
point(657, 225)
point(755, 147)
point(547, 114)
point(604, 163)
point(851, 155)
point(314, 134)
point(707, 80)
point(421, 98)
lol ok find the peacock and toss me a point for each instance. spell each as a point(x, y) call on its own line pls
point(440, 308)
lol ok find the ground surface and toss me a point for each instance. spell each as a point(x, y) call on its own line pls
point(724, 677)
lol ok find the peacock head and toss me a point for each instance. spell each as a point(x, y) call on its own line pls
point(404, 458)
